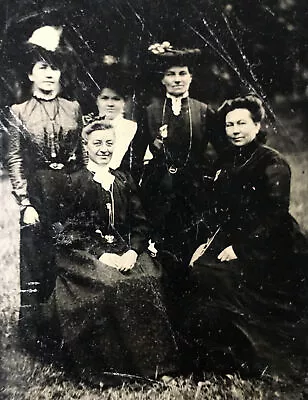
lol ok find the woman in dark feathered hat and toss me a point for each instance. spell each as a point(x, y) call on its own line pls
point(177, 131)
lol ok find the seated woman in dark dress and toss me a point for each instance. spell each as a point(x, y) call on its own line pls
point(247, 304)
point(107, 301)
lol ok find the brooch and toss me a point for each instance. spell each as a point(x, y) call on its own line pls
point(108, 238)
point(172, 169)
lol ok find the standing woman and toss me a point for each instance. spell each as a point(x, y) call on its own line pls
point(45, 146)
point(248, 306)
point(114, 90)
point(177, 131)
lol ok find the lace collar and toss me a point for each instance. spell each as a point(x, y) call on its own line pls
point(40, 96)
point(102, 174)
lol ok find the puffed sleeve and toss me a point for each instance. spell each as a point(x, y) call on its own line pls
point(14, 157)
point(265, 233)
point(139, 231)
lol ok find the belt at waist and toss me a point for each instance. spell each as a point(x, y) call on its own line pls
point(56, 166)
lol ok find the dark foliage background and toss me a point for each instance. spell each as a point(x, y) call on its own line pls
point(248, 44)
point(258, 45)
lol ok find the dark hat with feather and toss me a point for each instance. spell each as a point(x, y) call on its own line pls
point(163, 56)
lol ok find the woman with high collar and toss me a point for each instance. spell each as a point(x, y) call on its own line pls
point(107, 298)
point(247, 306)
point(177, 130)
point(44, 148)
point(114, 90)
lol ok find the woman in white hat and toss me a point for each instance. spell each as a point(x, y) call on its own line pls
point(45, 146)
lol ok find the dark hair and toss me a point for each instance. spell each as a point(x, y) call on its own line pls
point(116, 84)
point(95, 126)
point(34, 54)
point(164, 70)
point(114, 77)
point(250, 102)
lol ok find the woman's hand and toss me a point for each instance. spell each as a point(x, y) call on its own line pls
point(122, 263)
point(128, 260)
point(227, 254)
point(30, 216)
point(110, 259)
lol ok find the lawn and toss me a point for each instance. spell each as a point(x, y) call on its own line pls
point(23, 377)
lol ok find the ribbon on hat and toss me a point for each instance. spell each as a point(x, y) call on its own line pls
point(91, 117)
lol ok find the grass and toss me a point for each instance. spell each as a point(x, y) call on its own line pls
point(24, 378)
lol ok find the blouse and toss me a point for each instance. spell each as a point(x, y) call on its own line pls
point(43, 134)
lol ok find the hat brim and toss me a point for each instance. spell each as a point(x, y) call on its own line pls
point(162, 61)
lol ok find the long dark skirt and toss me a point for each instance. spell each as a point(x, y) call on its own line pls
point(250, 318)
point(174, 204)
point(47, 189)
point(113, 321)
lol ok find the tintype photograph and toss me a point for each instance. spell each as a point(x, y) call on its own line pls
point(153, 178)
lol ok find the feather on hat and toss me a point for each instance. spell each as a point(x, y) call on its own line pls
point(47, 37)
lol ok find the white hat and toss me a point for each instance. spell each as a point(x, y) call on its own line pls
point(47, 37)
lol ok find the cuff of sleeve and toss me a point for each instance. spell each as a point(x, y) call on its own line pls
point(242, 251)
point(23, 204)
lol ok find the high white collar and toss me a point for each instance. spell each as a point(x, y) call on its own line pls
point(184, 96)
point(45, 96)
point(176, 102)
point(102, 174)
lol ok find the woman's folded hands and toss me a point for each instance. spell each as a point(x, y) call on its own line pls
point(227, 254)
point(123, 263)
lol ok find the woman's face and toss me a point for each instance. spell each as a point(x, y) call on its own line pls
point(110, 104)
point(177, 80)
point(100, 146)
point(240, 127)
point(45, 77)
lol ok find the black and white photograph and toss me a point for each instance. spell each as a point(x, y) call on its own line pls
point(154, 217)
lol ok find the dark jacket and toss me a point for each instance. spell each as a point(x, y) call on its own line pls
point(87, 212)
point(203, 126)
point(252, 196)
